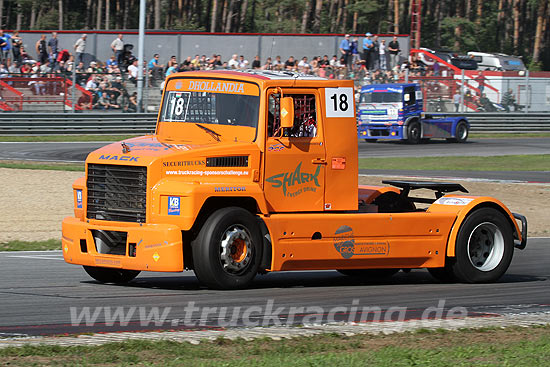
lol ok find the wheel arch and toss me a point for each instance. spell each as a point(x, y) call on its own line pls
point(409, 121)
point(458, 121)
point(495, 204)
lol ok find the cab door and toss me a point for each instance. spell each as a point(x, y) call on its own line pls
point(295, 159)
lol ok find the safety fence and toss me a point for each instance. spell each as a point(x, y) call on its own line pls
point(143, 123)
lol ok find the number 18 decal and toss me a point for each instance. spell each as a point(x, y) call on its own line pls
point(339, 102)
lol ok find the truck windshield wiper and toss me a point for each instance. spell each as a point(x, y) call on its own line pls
point(212, 133)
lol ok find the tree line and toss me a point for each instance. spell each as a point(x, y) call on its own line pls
point(518, 27)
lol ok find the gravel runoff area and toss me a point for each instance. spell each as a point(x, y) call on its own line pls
point(34, 202)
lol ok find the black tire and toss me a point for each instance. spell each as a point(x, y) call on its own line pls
point(484, 247)
point(414, 132)
point(444, 275)
point(110, 275)
point(228, 249)
point(369, 273)
point(461, 133)
point(371, 140)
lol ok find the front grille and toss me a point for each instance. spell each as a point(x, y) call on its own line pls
point(117, 193)
point(233, 161)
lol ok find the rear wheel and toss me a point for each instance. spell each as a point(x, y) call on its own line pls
point(414, 132)
point(110, 275)
point(461, 133)
point(228, 249)
point(484, 247)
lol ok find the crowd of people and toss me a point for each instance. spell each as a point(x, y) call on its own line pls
point(371, 62)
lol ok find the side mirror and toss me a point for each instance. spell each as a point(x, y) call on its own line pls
point(287, 112)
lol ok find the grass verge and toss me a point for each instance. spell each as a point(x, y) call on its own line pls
point(31, 246)
point(56, 166)
point(64, 138)
point(488, 347)
point(539, 162)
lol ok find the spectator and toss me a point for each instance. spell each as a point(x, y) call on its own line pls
point(375, 53)
point(508, 100)
point(456, 100)
point(368, 46)
point(92, 85)
point(3, 70)
point(5, 46)
point(172, 61)
point(268, 64)
point(172, 69)
point(324, 62)
point(80, 47)
point(333, 61)
point(277, 63)
point(196, 63)
point(132, 103)
point(256, 64)
point(13, 67)
point(118, 48)
point(53, 48)
point(243, 63)
point(26, 68)
point(393, 48)
point(155, 68)
point(304, 66)
point(480, 79)
point(345, 49)
point(16, 43)
point(42, 49)
point(111, 63)
point(84, 102)
point(133, 72)
point(315, 65)
point(46, 68)
point(234, 62)
point(354, 50)
point(185, 65)
point(290, 64)
point(217, 62)
point(382, 54)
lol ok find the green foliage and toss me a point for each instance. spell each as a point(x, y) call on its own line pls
point(31, 246)
point(466, 41)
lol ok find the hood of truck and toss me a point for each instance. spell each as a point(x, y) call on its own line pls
point(178, 159)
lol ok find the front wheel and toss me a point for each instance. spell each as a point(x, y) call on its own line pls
point(228, 249)
point(414, 133)
point(484, 247)
point(110, 275)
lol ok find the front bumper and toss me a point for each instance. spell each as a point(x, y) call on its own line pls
point(380, 131)
point(151, 247)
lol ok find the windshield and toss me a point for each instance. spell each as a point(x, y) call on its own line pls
point(211, 108)
point(380, 97)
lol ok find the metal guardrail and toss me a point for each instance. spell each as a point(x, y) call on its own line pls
point(142, 123)
point(503, 122)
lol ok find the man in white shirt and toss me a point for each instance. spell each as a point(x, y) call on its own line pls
point(133, 72)
point(118, 48)
point(233, 63)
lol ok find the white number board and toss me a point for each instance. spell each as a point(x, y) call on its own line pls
point(339, 102)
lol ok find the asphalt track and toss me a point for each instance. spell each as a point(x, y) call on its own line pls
point(38, 290)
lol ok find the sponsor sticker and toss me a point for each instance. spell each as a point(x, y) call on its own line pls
point(345, 244)
point(174, 205)
point(454, 201)
point(79, 199)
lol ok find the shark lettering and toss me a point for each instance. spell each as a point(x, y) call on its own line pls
point(289, 179)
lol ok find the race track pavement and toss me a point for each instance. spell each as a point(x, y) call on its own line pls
point(41, 295)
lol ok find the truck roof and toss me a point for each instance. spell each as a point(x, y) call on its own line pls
point(259, 74)
point(386, 87)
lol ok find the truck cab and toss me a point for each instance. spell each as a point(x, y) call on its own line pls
point(255, 172)
point(395, 111)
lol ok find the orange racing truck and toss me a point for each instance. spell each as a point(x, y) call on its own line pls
point(256, 171)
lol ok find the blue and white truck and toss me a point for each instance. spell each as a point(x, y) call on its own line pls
point(395, 111)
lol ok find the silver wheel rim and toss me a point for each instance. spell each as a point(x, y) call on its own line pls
point(486, 246)
point(462, 132)
point(236, 249)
